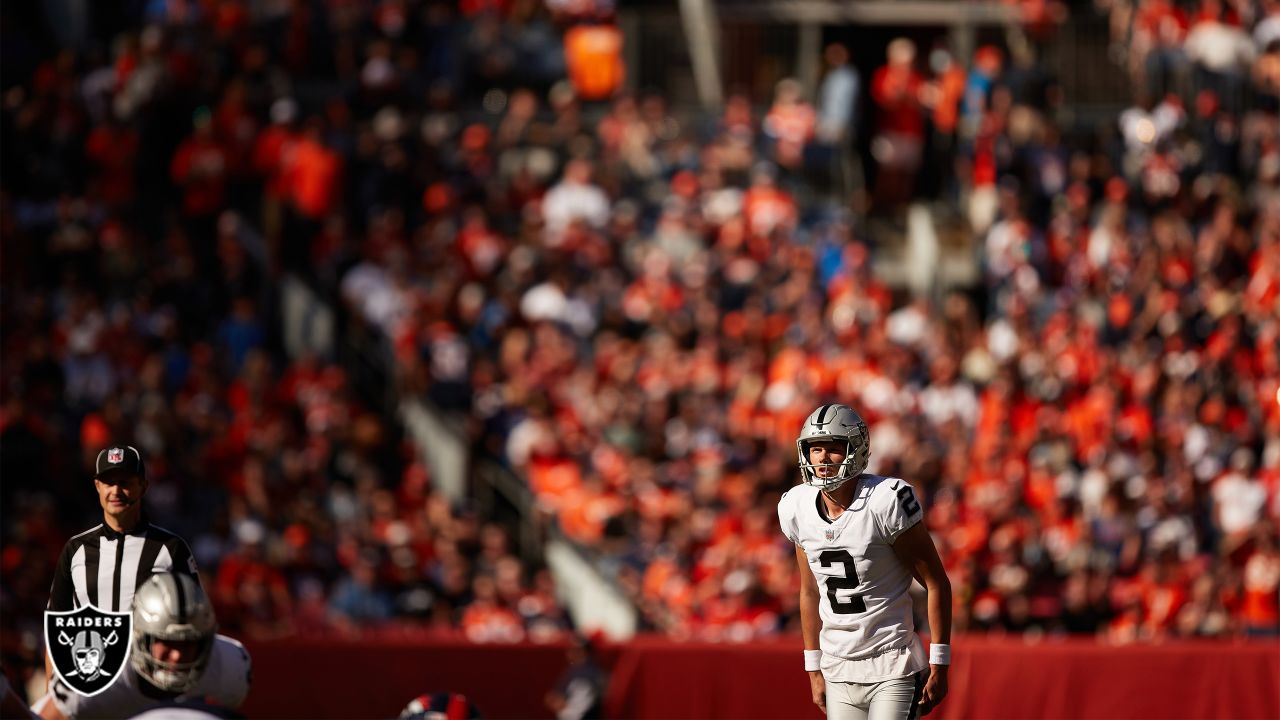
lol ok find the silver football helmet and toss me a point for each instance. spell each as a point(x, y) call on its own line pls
point(172, 607)
point(834, 422)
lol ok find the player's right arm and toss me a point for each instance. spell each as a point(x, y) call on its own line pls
point(811, 624)
point(915, 548)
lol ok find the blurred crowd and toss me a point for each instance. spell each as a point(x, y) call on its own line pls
point(635, 307)
point(159, 163)
point(1221, 45)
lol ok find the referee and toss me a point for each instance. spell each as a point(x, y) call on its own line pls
point(103, 565)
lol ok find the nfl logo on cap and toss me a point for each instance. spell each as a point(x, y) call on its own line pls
point(115, 456)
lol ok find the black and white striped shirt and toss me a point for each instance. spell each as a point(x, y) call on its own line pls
point(102, 567)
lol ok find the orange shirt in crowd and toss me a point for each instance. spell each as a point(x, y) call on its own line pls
point(792, 364)
point(665, 581)
point(661, 503)
point(993, 418)
point(767, 208)
point(1262, 590)
point(1089, 421)
point(585, 511)
point(273, 147)
point(946, 110)
point(594, 56)
point(488, 622)
point(553, 479)
point(793, 126)
point(313, 173)
point(1161, 603)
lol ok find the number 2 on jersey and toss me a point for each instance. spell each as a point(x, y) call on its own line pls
point(854, 604)
point(908, 500)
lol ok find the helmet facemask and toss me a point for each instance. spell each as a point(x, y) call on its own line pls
point(837, 423)
point(175, 677)
point(848, 469)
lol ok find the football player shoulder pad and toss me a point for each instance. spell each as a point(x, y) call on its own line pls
point(230, 672)
point(788, 502)
point(894, 503)
point(789, 507)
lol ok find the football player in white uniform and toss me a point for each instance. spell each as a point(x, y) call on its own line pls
point(177, 656)
point(859, 542)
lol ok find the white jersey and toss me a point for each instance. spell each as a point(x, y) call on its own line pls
point(225, 682)
point(868, 634)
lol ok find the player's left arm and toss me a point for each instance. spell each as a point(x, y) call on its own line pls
point(914, 547)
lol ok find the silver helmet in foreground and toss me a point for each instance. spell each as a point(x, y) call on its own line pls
point(172, 608)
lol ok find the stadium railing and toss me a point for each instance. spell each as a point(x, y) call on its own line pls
point(311, 324)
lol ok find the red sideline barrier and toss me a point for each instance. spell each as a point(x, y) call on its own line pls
point(659, 678)
point(339, 678)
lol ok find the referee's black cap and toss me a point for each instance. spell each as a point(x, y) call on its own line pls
point(124, 460)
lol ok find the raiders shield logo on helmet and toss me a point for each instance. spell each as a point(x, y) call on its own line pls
point(89, 647)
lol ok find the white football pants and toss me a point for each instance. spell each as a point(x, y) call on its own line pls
point(886, 700)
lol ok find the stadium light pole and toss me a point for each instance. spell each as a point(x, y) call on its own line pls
point(699, 19)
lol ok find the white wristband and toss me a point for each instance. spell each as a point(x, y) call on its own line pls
point(939, 654)
point(812, 660)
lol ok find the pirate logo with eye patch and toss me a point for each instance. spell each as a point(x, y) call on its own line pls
point(89, 647)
